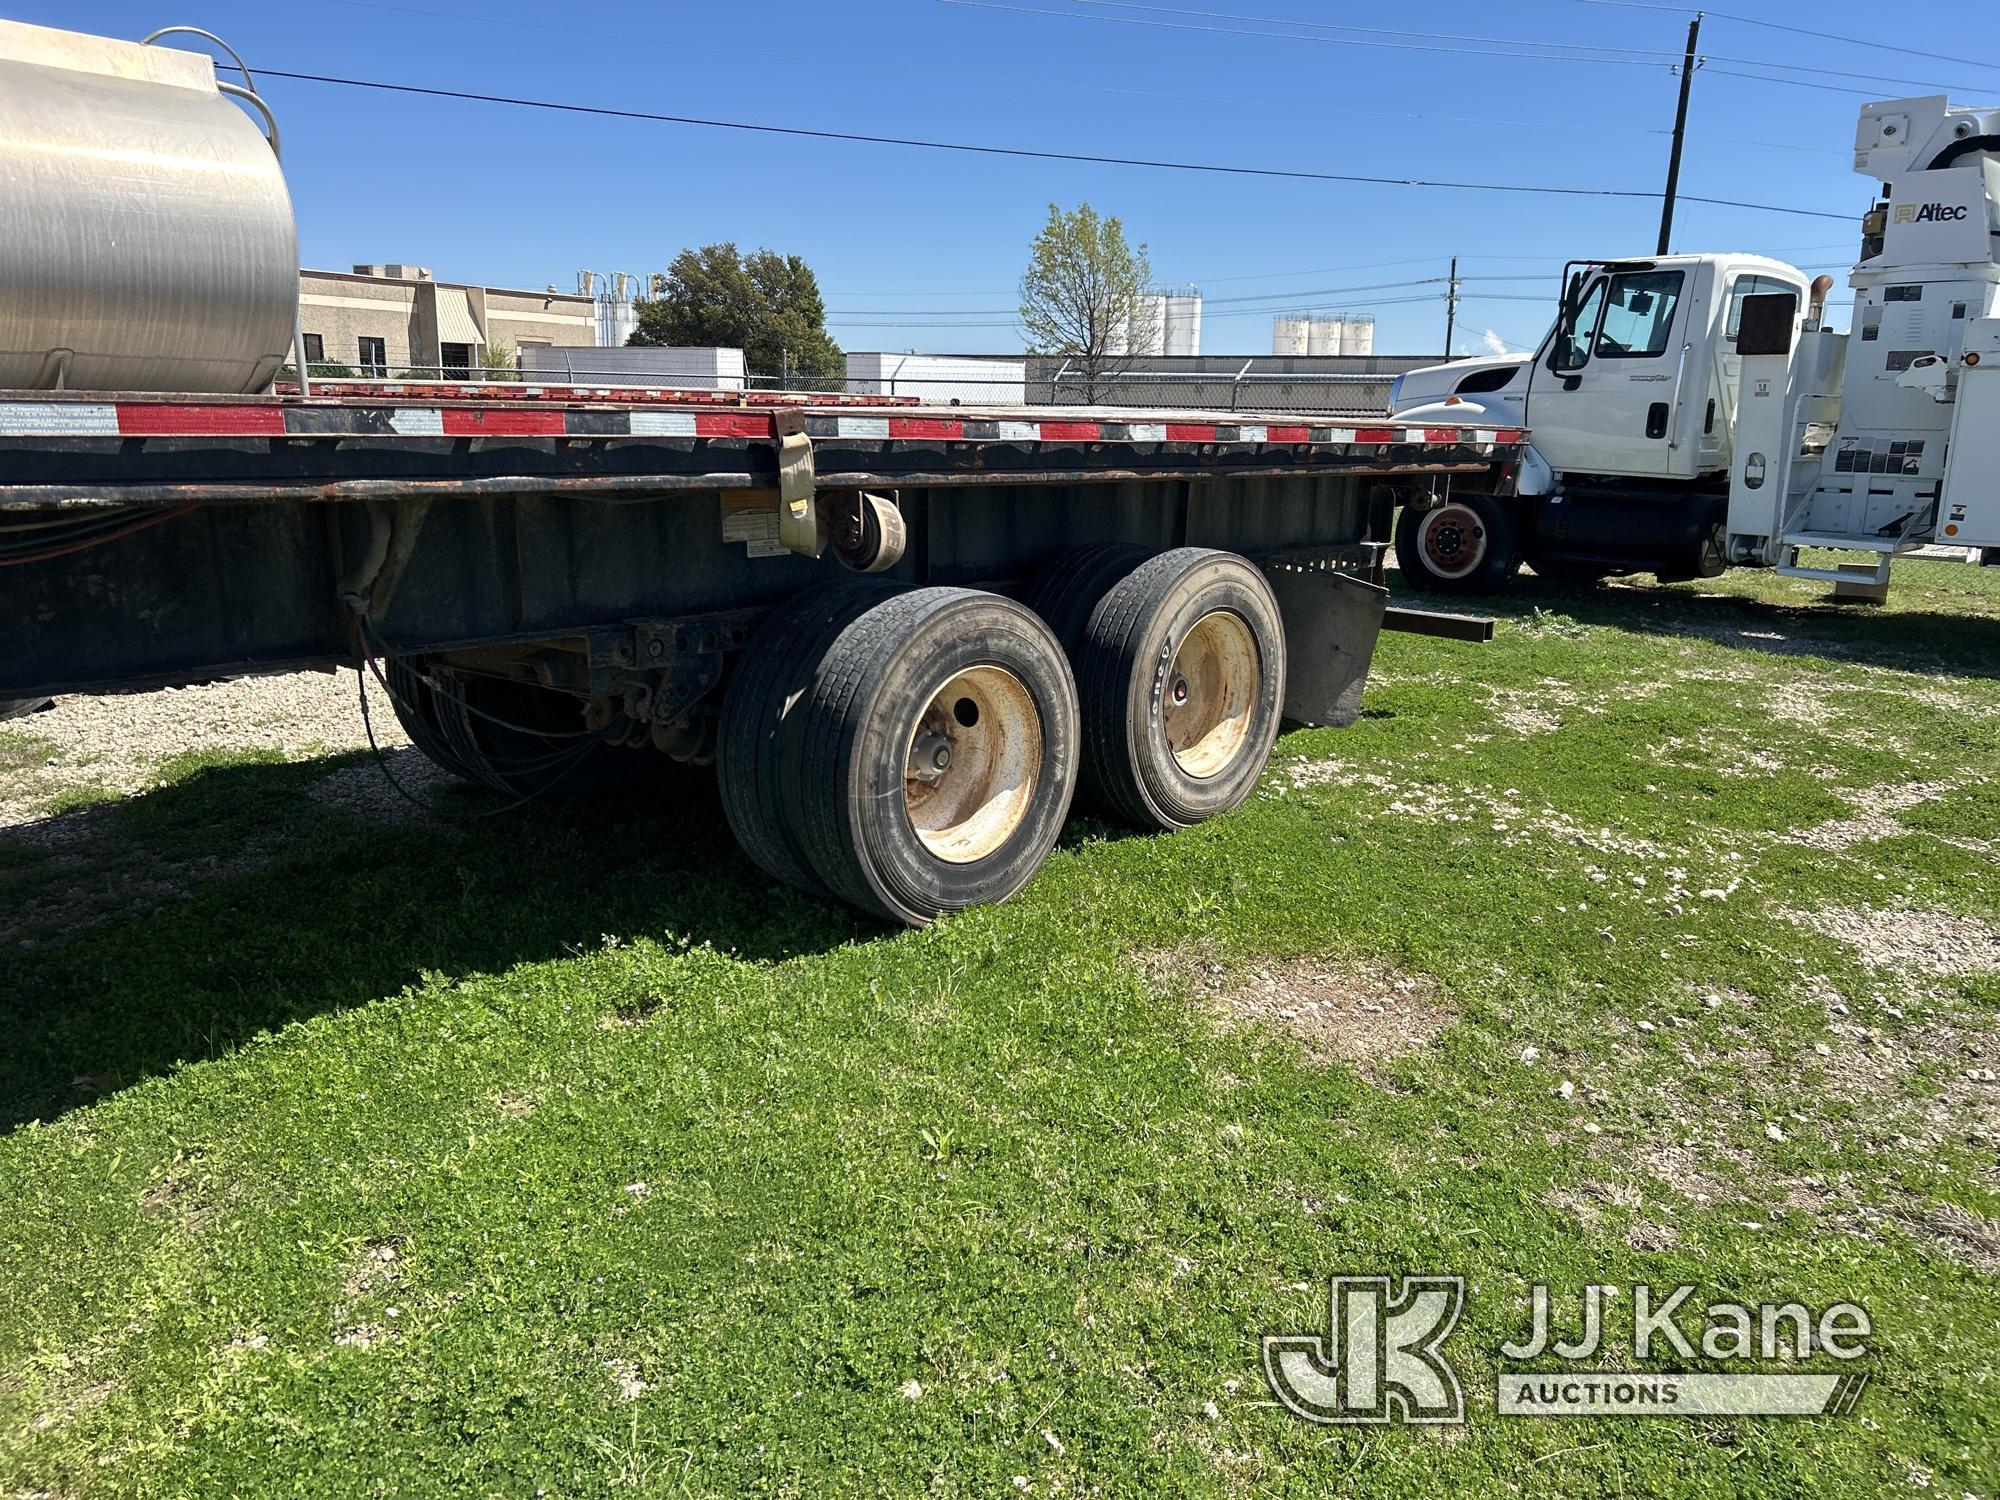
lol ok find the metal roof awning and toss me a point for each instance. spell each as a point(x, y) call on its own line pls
point(455, 322)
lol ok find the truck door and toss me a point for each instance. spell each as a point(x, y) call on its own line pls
point(1619, 374)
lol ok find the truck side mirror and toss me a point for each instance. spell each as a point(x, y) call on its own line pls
point(1767, 322)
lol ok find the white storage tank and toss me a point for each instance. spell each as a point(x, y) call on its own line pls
point(149, 241)
point(1181, 322)
point(1291, 333)
point(1326, 334)
point(1360, 335)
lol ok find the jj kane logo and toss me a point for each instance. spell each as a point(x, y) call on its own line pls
point(1382, 1356)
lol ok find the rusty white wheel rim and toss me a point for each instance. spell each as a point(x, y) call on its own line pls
point(1211, 693)
point(973, 762)
point(1453, 540)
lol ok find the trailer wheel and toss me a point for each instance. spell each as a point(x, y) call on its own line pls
point(941, 750)
point(1181, 676)
point(761, 714)
point(415, 700)
point(20, 708)
point(1068, 589)
point(1464, 546)
point(516, 738)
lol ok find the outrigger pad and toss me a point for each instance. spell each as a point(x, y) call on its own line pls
point(1331, 621)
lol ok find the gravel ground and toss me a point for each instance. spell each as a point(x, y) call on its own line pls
point(112, 743)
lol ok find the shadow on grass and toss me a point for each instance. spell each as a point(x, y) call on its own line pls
point(1966, 645)
point(173, 926)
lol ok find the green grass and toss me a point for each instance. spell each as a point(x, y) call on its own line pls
point(388, 1159)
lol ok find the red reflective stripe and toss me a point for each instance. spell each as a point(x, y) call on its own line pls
point(1376, 435)
point(731, 424)
point(1058, 432)
point(1507, 435)
point(925, 427)
point(1288, 434)
point(1443, 435)
point(461, 422)
point(1190, 432)
point(169, 418)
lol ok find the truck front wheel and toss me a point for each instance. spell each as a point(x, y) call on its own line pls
point(1467, 545)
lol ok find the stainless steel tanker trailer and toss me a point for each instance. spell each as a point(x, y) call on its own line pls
point(906, 638)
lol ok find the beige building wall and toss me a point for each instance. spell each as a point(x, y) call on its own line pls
point(342, 308)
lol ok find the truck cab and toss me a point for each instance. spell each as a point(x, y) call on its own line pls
point(1630, 403)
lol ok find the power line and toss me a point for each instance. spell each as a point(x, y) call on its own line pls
point(1442, 36)
point(1087, 158)
point(1329, 41)
point(1811, 31)
point(1532, 49)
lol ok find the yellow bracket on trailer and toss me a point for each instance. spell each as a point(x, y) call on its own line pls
point(798, 518)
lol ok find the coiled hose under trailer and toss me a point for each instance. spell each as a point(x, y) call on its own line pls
point(908, 640)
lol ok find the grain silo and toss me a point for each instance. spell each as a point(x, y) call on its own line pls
point(1291, 333)
point(1360, 336)
point(1326, 333)
point(1180, 321)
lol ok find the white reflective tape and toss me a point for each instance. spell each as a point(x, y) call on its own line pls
point(1254, 434)
point(863, 427)
point(662, 424)
point(1341, 435)
point(1147, 432)
point(1021, 432)
point(58, 419)
point(1486, 435)
point(417, 421)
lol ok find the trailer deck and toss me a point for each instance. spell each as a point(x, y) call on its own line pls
point(610, 541)
point(61, 451)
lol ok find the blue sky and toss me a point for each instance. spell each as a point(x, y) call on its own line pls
point(923, 249)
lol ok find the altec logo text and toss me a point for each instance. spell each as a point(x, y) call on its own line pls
point(1929, 213)
point(1382, 1358)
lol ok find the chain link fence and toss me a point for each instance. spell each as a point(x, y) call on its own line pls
point(1337, 385)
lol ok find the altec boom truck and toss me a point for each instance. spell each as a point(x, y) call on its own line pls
point(903, 637)
point(1692, 412)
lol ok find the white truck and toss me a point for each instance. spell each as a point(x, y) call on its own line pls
point(1688, 413)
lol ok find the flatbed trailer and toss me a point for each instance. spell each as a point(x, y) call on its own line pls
point(569, 589)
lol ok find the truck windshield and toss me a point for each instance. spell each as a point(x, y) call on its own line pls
point(1639, 316)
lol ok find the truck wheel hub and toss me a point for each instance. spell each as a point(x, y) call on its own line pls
point(1453, 540)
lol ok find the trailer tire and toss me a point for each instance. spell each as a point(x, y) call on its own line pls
point(761, 714)
point(20, 708)
point(1467, 545)
point(1181, 677)
point(529, 741)
point(1068, 589)
point(941, 746)
point(414, 698)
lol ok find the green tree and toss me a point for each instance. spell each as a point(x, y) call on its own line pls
point(1082, 296)
point(766, 304)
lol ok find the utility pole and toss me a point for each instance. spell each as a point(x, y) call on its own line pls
point(1680, 134)
point(1451, 307)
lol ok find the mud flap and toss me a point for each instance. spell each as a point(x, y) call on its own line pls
point(1331, 621)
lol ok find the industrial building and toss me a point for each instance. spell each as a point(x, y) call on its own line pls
point(384, 319)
